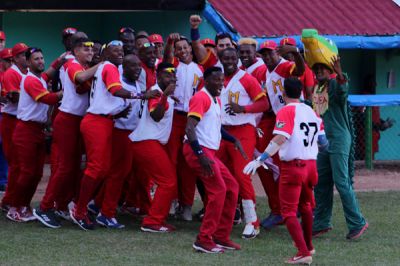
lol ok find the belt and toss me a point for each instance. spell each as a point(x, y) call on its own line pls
point(295, 162)
point(181, 112)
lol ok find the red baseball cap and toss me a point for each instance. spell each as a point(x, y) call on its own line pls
point(207, 41)
point(271, 45)
point(19, 48)
point(6, 53)
point(2, 35)
point(288, 41)
point(69, 31)
point(156, 38)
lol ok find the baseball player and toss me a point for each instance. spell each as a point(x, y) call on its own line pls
point(296, 134)
point(202, 140)
point(247, 54)
point(149, 141)
point(67, 138)
point(189, 79)
point(335, 166)
point(28, 138)
point(10, 88)
point(242, 99)
point(147, 54)
point(158, 41)
point(277, 69)
point(106, 101)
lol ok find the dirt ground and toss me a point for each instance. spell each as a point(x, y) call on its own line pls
point(384, 177)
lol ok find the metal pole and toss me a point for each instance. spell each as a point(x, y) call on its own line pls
point(368, 138)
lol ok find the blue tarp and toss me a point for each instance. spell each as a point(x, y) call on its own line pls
point(374, 100)
point(220, 24)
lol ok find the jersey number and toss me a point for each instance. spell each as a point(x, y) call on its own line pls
point(141, 108)
point(306, 127)
point(93, 87)
point(233, 97)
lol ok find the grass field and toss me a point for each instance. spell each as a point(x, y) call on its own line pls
point(33, 244)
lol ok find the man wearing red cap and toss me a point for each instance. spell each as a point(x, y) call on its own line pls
point(189, 80)
point(28, 138)
point(277, 69)
point(158, 41)
point(2, 40)
point(307, 79)
point(10, 88)
point(209, 44)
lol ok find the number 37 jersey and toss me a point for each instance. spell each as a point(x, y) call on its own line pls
point(301, 126)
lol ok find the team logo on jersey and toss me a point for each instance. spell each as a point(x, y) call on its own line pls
point(280, 124)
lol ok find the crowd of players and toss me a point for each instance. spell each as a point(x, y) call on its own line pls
point(156, 119)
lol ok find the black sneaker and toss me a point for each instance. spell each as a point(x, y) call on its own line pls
point(47, 218)
point(84, 223)
point(238, 217)
point(200, 214)
point(356, 234)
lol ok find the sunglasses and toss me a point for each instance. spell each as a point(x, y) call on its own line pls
point(169, 70)
point(88, 44)
point(126, 29)
point(148, 44)
point(115, 43)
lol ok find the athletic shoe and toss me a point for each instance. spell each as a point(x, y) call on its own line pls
point(321, 232)
point(228, 244)
point(312, 251)
point(185, 213)
point(14, 215)
point(200, 214)
point(47, 218)
point(250, 231)
point(271, 221)
point(92, 208)
point(26, 214)
point(109, 222)
point(4, 207)
point(83, 223)
point(210, 248)
point(174, 208)
point(158, 228)
point(356, 234)
point(299, 260)
point(63, 214)
point(238, 217)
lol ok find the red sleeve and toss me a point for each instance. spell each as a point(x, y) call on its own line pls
point(307, 78)
point(285, 121)
point(285, 69)
point(73, 69)
point(199, 105)
point(35, 88)
point(252, 87)
point(110, 76)
point(11, 81)
point(209, 61)
point(153, 102)
point(50, 98)
point(175, 62)
point(260, 74)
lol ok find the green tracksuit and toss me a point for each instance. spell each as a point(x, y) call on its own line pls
point(335, 166)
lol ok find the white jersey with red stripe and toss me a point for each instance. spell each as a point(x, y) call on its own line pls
point(102, 102)
point(28, 108)
point(11, 108)
point(208, 110)
point(188, 77)
point(63, 69)
point(301, 126)
point(130, 122)
point(147, 128)
point(237, 91)
point(275, 81)
point(257, 64)
point(73, 102)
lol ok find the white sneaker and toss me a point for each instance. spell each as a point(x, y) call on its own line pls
point(250, 231)
point(64, 215)
point(300, 260)
point(27, 215)
point(187, 213)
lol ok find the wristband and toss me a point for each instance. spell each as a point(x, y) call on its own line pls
point(196, 147)
point(194, 34)
point(264, 156)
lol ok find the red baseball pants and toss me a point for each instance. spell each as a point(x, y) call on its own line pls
point(29, 143)
point(271, 187)
point(153, 160)
point(297, 180)
point(62, 186)
point(222, 194)
point(8, 124)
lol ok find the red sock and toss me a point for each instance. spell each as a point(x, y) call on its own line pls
point(296, 233)
point(87, 191)
point(307, 222)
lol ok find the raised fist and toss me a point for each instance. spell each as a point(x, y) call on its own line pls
point(195, 21)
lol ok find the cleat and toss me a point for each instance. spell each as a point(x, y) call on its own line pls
point(83, 223)
point(26, 214)
point(92, 208)
point(207, 248)
point(109, 222)
point(271, 221)
point(63, 214)
point(14, 215)
point(307, 260)
point(250, 231)
point(158, 228)
point(356, 234)
point(47, 218)
point(229, 244)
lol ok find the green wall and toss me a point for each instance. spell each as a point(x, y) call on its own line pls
point(43, 29)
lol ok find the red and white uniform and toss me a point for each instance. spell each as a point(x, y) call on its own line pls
point(148, 77)
point(147, 128)
point(11, 81)
point(298, 170)
point(222, 189)
point(257, 67)
point(189, 81)
point(150, 153)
